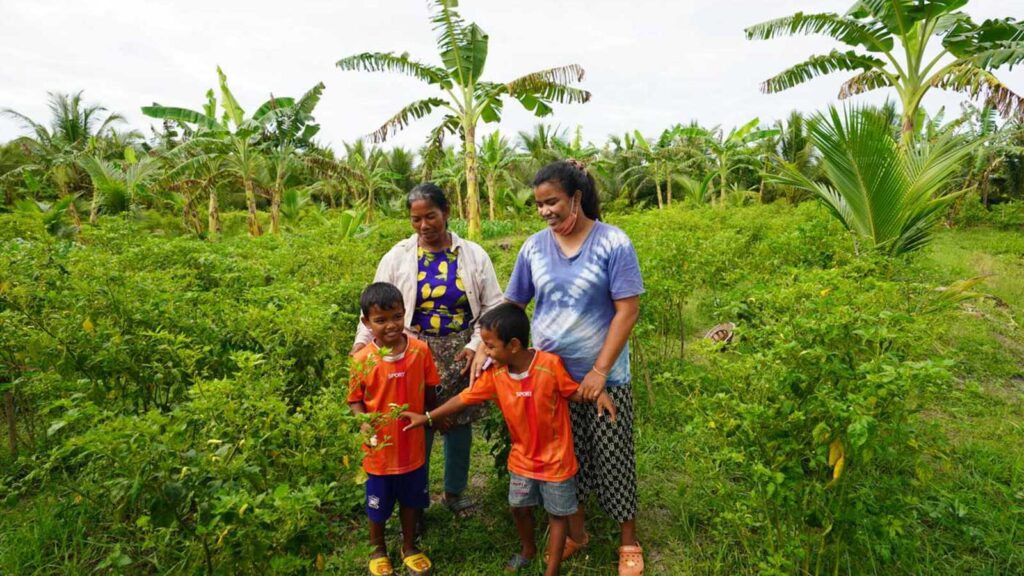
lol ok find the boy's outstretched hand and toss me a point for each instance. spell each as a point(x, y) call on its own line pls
point(415, 420)
point(605, 405)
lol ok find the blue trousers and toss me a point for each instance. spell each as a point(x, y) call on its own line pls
point(457, 443)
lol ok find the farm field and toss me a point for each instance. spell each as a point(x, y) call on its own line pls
point(182, 401)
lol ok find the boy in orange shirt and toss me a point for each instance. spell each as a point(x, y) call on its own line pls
point(393, 370)
point(531, 387)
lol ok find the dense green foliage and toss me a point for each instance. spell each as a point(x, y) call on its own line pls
point(173, 382)
point(179, 403)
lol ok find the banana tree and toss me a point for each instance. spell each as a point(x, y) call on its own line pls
point(889, 194)
point(728, 152)
point(465, 98)
point(891, 47)
point(278, 122)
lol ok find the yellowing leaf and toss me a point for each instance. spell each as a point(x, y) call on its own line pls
point(345, 461)
point(838, 470)
point(320, 563)
point(361, 477)
point(835, 451)
point(220, 539)
point(88, 327)
point(241, 511)
point(4, 286)
point(825, 292)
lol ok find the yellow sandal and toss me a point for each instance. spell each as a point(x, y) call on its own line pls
point(418, 564)
point(381, 566)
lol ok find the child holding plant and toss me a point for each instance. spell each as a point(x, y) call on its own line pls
point(393, 370)
point(531, 388)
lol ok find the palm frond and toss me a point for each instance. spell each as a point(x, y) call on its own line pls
point(272, 104)
point(998, 57)
point(820, 65)
point(404, 117)
point(183, 115)
point(389, 62)
point(844, 29)
point(865, 82)
point(977, 82)
point(227, 100)
point(569, 74)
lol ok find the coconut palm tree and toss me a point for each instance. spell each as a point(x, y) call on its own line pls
point(891, 47)
point(117, 185)
point(465, 97)
point(73, 128)
point(498, 160)
point(373, 179)
point(542, 144)
point(886, 192)
point(451, 175)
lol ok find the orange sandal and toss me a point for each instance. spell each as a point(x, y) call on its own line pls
point(381, 566)
point(631, 560)
point(571, 547)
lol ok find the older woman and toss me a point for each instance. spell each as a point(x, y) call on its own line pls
point(584, 276)
point(447, 282)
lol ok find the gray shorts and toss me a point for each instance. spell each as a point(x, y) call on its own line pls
point(559, 498)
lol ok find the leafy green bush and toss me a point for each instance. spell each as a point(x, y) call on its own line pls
point(809, 417)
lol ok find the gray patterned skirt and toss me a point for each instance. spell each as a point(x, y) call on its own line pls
point(444, 349)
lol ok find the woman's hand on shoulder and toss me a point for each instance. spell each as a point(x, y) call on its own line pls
point(465, 358)
point(476, 363)
point(592, 386)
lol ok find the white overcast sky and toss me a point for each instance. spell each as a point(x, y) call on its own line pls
point(650, 63)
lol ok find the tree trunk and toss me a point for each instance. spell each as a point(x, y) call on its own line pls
point(907, 128)
point(94, 207)
point(657, 190)
point(458, 200)
point(369, 203)
point(668, 188)
point(275, 209)
point(491, 196)
point(190, 214)
point(722, 175)
point(472, 190)
point(12, 428)
point(250, 201)
point(213, 220)
point(330, 197)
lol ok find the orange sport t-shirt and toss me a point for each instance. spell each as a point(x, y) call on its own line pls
point(537, 414)
point(379, 381)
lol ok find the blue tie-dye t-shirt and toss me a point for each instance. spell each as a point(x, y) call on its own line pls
point(576, 296)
